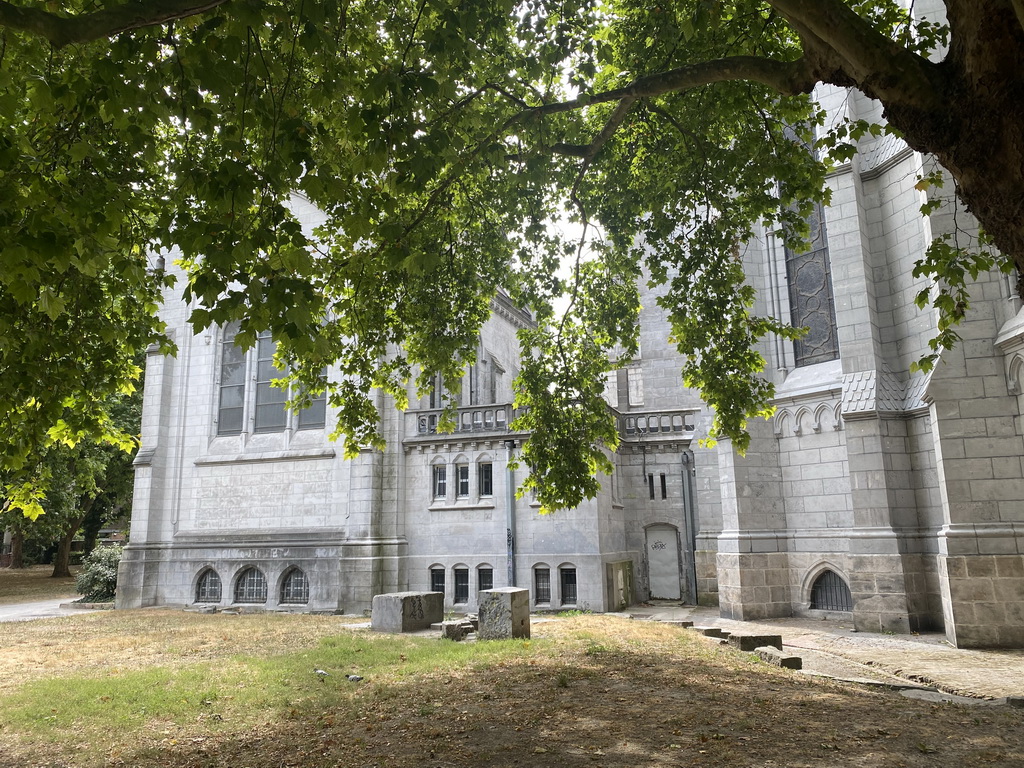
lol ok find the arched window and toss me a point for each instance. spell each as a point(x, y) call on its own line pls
point(541, 585)
point(295, 588)
point(567, 584)
point(251, 586)
point(830, 593)
point(484, 577)
point(208, 587)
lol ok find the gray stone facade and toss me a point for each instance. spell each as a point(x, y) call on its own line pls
point(896, 500)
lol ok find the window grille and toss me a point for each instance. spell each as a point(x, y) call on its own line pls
point(650, 484)
point(437, 580)
point(440, 481)
point(568, 579)
point(485, 578)
point(830, 593)
point(810, 296)
point(664, 487)
point(486, 479)
point(461, 585)
point(270, 412)
point(295, 588)
point(542, 585)
point(314, 416)
point(251, 587)
point(208, 587)
point(462, 478)
point(230, 412)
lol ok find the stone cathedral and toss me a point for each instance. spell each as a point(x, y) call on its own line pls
point(891, 499)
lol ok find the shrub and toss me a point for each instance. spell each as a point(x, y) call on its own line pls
point(97, 580)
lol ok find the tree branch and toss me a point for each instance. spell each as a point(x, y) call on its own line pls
point(879, 66)
point(65, 30)
point(786, 77)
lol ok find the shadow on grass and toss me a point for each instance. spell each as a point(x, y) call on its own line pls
point(589, 702)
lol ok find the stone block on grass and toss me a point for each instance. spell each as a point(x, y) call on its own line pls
point(504, 613)
point(716, 632)
point(399, 612)
point(751, 643)
point(775, 657)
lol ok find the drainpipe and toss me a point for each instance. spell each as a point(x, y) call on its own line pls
point(690, 520)
point(510, 512)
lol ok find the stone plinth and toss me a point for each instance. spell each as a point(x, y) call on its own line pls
point(406, 611)
point(504, 613)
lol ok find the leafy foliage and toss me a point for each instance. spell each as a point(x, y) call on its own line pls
point(97, 581)
point(439, 138)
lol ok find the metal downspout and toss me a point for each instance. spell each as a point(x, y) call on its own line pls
point(690, 519)
point(510, 512)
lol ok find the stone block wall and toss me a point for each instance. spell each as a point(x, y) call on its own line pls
point(754, 586)
point(985, 607)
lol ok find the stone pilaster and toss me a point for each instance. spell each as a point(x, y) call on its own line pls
point(752, 561)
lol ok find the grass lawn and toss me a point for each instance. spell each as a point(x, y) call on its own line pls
point(166, 688)
point(26, 585)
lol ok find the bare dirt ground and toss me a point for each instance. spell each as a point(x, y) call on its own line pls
point(23, 585)
point(585, 691)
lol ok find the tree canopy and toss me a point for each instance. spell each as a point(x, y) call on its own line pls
point(440, 138)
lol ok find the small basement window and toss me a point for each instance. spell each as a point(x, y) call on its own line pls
point(208, 587)
point(485, 579)
point(461, 585)
point(541, 585)
point(437, 580)
point(295, 588)
point(251, 587)
point(830, 593)
point(568, 579)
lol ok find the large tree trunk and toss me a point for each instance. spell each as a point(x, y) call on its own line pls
point(981, 138)
point(17, 550)
point(62, 560)
point(91, 525)
point(967, 110)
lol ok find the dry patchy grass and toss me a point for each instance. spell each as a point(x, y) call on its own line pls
point(26, 585)
point(131, 640)
point(205, 691)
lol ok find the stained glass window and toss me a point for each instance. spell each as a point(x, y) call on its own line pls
point(810, 296)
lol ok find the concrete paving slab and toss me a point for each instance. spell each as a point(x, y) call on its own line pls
point(41, 609)
point(926, 659)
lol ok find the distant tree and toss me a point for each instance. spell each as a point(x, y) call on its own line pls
point(439, 137)
point(89, 482)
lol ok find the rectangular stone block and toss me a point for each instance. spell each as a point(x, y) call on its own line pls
point(503, 613)
point(751, 643)
point(779, 659)
point(715, 632)
point(406, 611)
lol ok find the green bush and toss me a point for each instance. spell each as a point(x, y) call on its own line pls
point(97, 580)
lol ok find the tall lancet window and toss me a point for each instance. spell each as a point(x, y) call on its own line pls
point(810, 296)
